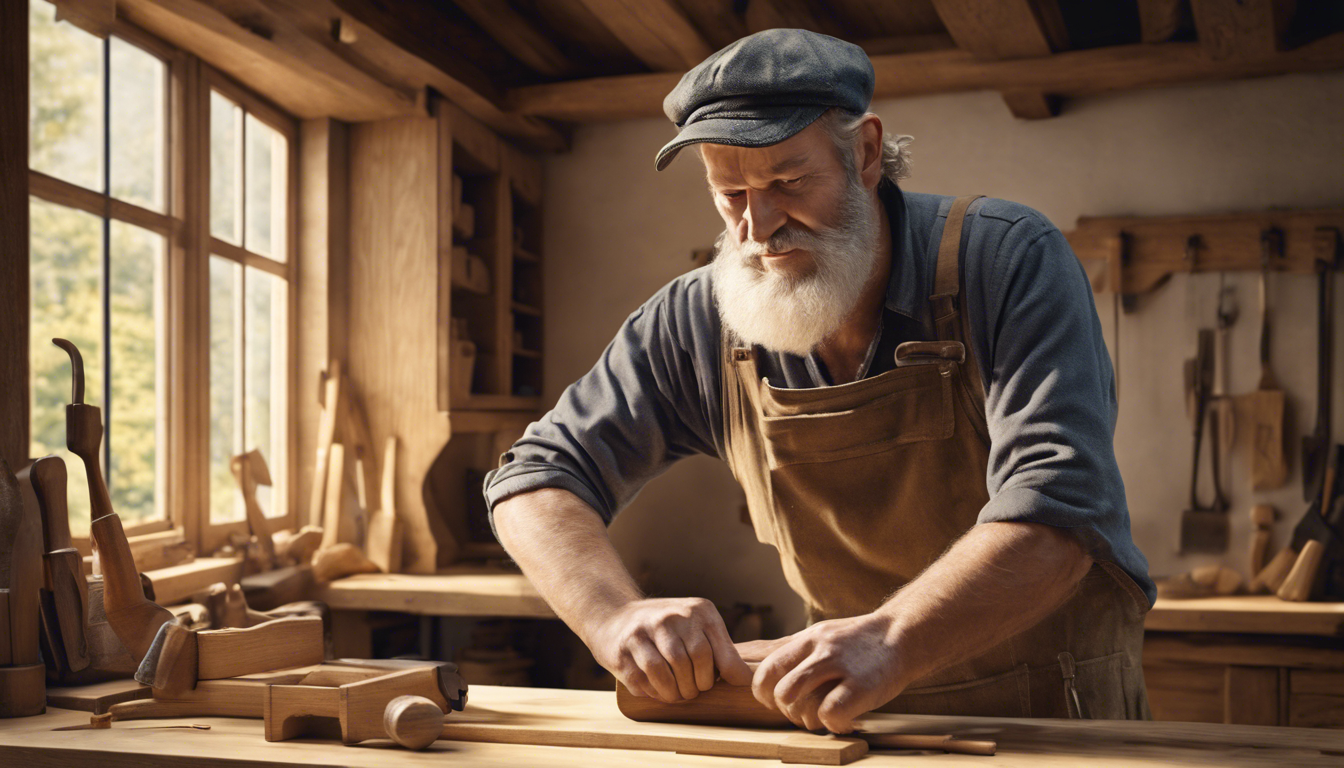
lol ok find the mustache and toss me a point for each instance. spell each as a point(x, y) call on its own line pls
point(786, 238)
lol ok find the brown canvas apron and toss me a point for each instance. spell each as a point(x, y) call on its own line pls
point(861, 486)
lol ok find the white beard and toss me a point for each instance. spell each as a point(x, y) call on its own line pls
point(795, 313)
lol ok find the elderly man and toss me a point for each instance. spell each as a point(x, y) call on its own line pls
point(912, 390)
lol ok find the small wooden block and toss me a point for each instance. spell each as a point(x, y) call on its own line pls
point(97, 698)
point(414, 722)
point(273, 589)
point(279, 644)
point(341, 560)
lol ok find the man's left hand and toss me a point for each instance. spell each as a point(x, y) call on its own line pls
point(831, 672)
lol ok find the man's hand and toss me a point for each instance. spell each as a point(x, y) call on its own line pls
point(831, 672)
point(758, 650)
point(667, 648)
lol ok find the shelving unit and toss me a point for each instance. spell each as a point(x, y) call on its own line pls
point(494, 225)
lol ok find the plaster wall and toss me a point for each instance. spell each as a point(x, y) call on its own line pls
point(616, 230)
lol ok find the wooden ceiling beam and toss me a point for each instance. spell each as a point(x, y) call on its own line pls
point(1072, 73)
point(281, 63)
point(518, 36)
point(717, 20)
point(1241, 29)
point(441, 70)
point(655, 31)
point(1009, 29)
point(791, 14)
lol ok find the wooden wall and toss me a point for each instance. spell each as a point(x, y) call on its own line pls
point(14, 232)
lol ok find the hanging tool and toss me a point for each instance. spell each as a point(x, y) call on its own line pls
point(1312, 526)
point(1317, 445)
point(133, 617)
point(1224, 425)
point(1322, 546)
point(1269, 466)
point(1203, 529)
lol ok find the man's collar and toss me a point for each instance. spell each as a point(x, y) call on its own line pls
point(905, 287)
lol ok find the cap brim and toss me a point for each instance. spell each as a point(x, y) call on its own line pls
point(760, 130)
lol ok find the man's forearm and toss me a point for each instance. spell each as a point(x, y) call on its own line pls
point(996, 581)
point(563, 549)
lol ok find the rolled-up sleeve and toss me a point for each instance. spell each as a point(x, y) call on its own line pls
point(650, 400)
point(1050, 398)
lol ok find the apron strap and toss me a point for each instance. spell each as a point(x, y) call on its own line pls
point(948, 303)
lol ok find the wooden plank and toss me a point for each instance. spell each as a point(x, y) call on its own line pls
point(177, 583)
point(456, 591)
point(14, 279)
point(97, 697)
point(1070, 74)
point(1158, 246)
point(519, 37)
point(1004, 29)
point(1241, 29)
point(655, 31)
point(279, 644)
point(395, 295)
point(1251, 696)
point(1164, 648)
point(267, 53)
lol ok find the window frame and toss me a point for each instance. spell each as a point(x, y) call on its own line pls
point(214, 535)
point(184, 422)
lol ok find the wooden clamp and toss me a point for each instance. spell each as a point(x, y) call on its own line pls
point(349, 694)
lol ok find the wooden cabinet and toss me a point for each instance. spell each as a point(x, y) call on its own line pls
point(1246, 661)
point(445, 317)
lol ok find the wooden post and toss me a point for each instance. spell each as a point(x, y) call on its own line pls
point(14, 233)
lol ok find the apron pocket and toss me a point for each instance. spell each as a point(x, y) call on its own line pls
point(1103, 686)
point(921, 409)
point(1004, 695)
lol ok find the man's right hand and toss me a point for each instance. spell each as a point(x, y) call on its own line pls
point(667, 648)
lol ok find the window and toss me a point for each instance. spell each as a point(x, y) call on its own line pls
point(99, 115)
point(164, 256)
point(249, 192)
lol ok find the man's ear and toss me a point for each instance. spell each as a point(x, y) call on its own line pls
point(869, 151)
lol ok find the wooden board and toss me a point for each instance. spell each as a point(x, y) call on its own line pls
point(1022, 743)
point(279, 644)
point(97, 697)
point(1257, 614)
point(455, 591)
point(177, 583)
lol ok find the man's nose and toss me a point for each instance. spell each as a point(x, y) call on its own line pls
point(762, 217)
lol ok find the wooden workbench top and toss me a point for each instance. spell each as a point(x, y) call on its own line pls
point(1255, 614)
point(455, 591)
point(230, 742)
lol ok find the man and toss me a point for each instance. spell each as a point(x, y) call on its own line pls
point(914, 394)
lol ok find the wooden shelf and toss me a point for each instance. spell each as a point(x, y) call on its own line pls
point(455, 591)
point(478, 402)
point(1252, 614)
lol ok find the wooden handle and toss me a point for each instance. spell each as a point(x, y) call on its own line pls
point(50, 480)
point(721, 705)
point(1271, 577)
point(1297, 587)
point(414, 722)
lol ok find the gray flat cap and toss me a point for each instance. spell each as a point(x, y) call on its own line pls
point(766, 87)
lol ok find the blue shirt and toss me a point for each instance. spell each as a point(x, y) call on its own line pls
point(654, 397)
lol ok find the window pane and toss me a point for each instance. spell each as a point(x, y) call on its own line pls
point(137, 82)
point(266, 176)
point(226, 167)
point(65, 99)
point(265, 411)
point(134, 435)
point(65, 282)
point(226, 386)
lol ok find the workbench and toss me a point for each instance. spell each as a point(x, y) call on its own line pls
point(31, 742)
point(1253, 660)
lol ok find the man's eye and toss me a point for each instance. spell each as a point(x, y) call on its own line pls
point(791, 182)
point(732, 195)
